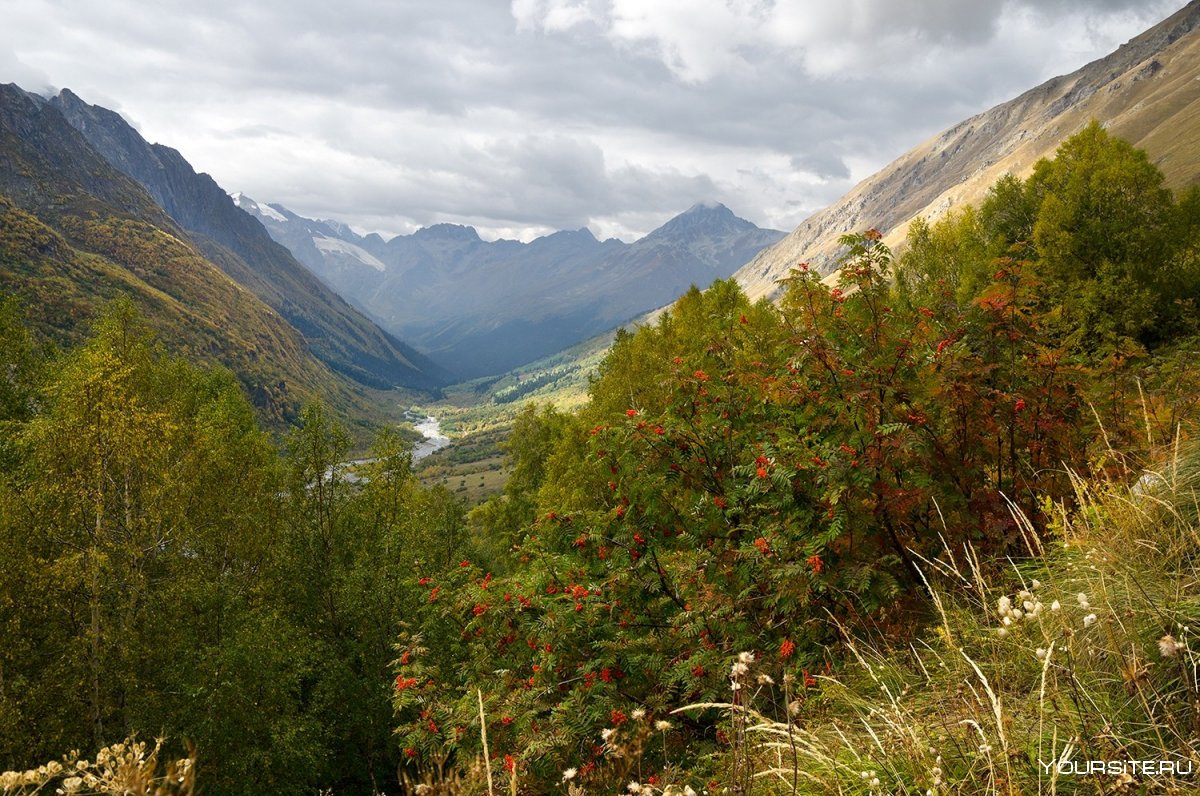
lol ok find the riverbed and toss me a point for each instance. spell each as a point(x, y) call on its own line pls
point(434, 440)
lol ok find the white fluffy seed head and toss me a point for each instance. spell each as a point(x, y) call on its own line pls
point(1168, 647)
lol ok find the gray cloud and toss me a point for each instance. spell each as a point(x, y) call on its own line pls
point(551, 114)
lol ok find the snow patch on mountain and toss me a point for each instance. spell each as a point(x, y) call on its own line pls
point(271, 213)
point(336, 246)
point(254, 208)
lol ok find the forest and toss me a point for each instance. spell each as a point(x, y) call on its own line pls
point(948, 497)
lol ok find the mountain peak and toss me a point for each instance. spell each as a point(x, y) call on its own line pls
point(583, 233)
point(708, 206)
point(703, 218)
point(456, 232)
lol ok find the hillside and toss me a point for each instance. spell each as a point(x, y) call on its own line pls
point(1146, 92)
point(336, 333)
point(75, 234)
point(485, 307)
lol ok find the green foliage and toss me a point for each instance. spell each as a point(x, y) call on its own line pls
point(163, 569)
point(742, 471)
point(950, 259)
point(1112, 249)
point(503, 518)
point(20, 375)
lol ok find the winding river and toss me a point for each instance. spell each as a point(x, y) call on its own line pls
point(434, 440)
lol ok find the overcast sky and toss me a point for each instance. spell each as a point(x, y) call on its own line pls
point(525, 117)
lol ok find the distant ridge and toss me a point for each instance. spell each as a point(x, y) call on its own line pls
point(485, 307)
point(1147, 91)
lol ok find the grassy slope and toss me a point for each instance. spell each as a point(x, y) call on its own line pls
point(63, 280)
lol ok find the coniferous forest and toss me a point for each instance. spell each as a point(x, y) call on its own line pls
point(912, 529)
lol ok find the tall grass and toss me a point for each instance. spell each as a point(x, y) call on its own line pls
point(1084, 652)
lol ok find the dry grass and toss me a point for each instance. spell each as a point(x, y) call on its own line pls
point(129, 768)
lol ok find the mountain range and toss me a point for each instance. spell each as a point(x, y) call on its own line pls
point(1147, 92)
point(485, 307)
point(299, 307)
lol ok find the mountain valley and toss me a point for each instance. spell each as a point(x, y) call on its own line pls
point(901, 501)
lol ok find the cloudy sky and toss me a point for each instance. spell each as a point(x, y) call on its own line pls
point(534, 115)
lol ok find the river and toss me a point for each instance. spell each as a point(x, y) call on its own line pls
point(434, 440)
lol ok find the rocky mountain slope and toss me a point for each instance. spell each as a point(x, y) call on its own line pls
point(484, 307)
point(1147, 92)
point(338, 334)
point(76, 233)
